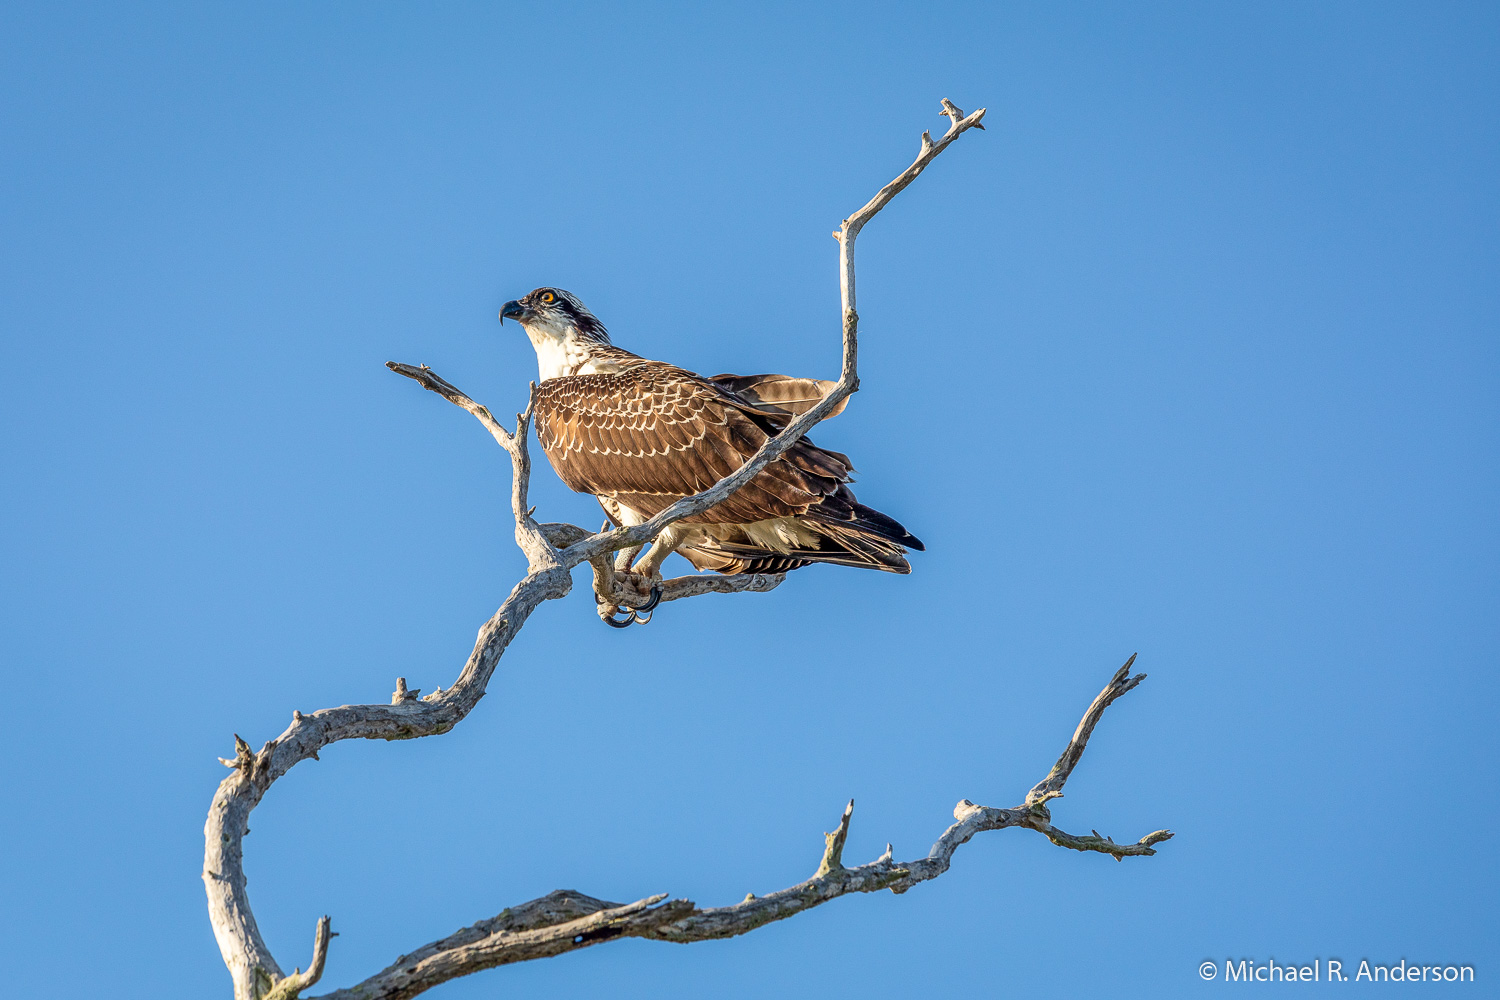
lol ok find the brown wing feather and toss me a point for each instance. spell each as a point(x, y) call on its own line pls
point(654, 433)
point(781, 393)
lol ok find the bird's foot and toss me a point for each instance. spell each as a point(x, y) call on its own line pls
point(633, 615)
point(630, 585)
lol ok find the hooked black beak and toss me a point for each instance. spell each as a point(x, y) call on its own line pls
point(513, 310)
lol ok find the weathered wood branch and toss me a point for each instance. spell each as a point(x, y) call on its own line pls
point(532, 540)
point(540, 929)
point(849, 231)
point(1051, 786)
point(292, 986)
point(566, 921)
point(250, 962)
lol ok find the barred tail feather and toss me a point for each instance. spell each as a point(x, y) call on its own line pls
point(856, 536)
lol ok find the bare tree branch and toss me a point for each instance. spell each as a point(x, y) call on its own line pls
point(1051, 786)
point(291, 986)
point(503, 941)
point(566, 921)
point(533, 542)
point(244, 951)
point(852, 225)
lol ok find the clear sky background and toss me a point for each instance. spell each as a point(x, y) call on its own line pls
point(1192, 353)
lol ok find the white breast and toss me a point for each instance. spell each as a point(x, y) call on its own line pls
point(558, 357)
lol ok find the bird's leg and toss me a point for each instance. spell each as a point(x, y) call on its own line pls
point(617, 579)
point(649, 565)
point(604, 591)
point(625, 557)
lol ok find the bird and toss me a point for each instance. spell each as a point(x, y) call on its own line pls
point(639, 435)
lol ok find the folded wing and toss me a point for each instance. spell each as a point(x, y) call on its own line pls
point(653, 433)
point(781, 393)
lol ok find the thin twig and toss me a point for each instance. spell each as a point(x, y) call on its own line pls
point(1051, 786)
point(431, 380)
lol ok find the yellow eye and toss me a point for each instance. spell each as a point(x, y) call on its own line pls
point(548, 297)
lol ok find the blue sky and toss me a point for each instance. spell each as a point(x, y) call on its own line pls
point(1193, 353)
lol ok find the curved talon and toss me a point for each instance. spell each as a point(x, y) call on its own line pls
point(614, 622)
point(634, 617)
point(650, 605)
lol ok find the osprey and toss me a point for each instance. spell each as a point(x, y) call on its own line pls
point(639, 435)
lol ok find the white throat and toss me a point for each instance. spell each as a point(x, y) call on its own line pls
point(557, 356)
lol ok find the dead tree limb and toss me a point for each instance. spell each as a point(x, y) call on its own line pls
point(566, 921)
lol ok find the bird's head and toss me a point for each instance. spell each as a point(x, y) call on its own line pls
point(555, 315)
